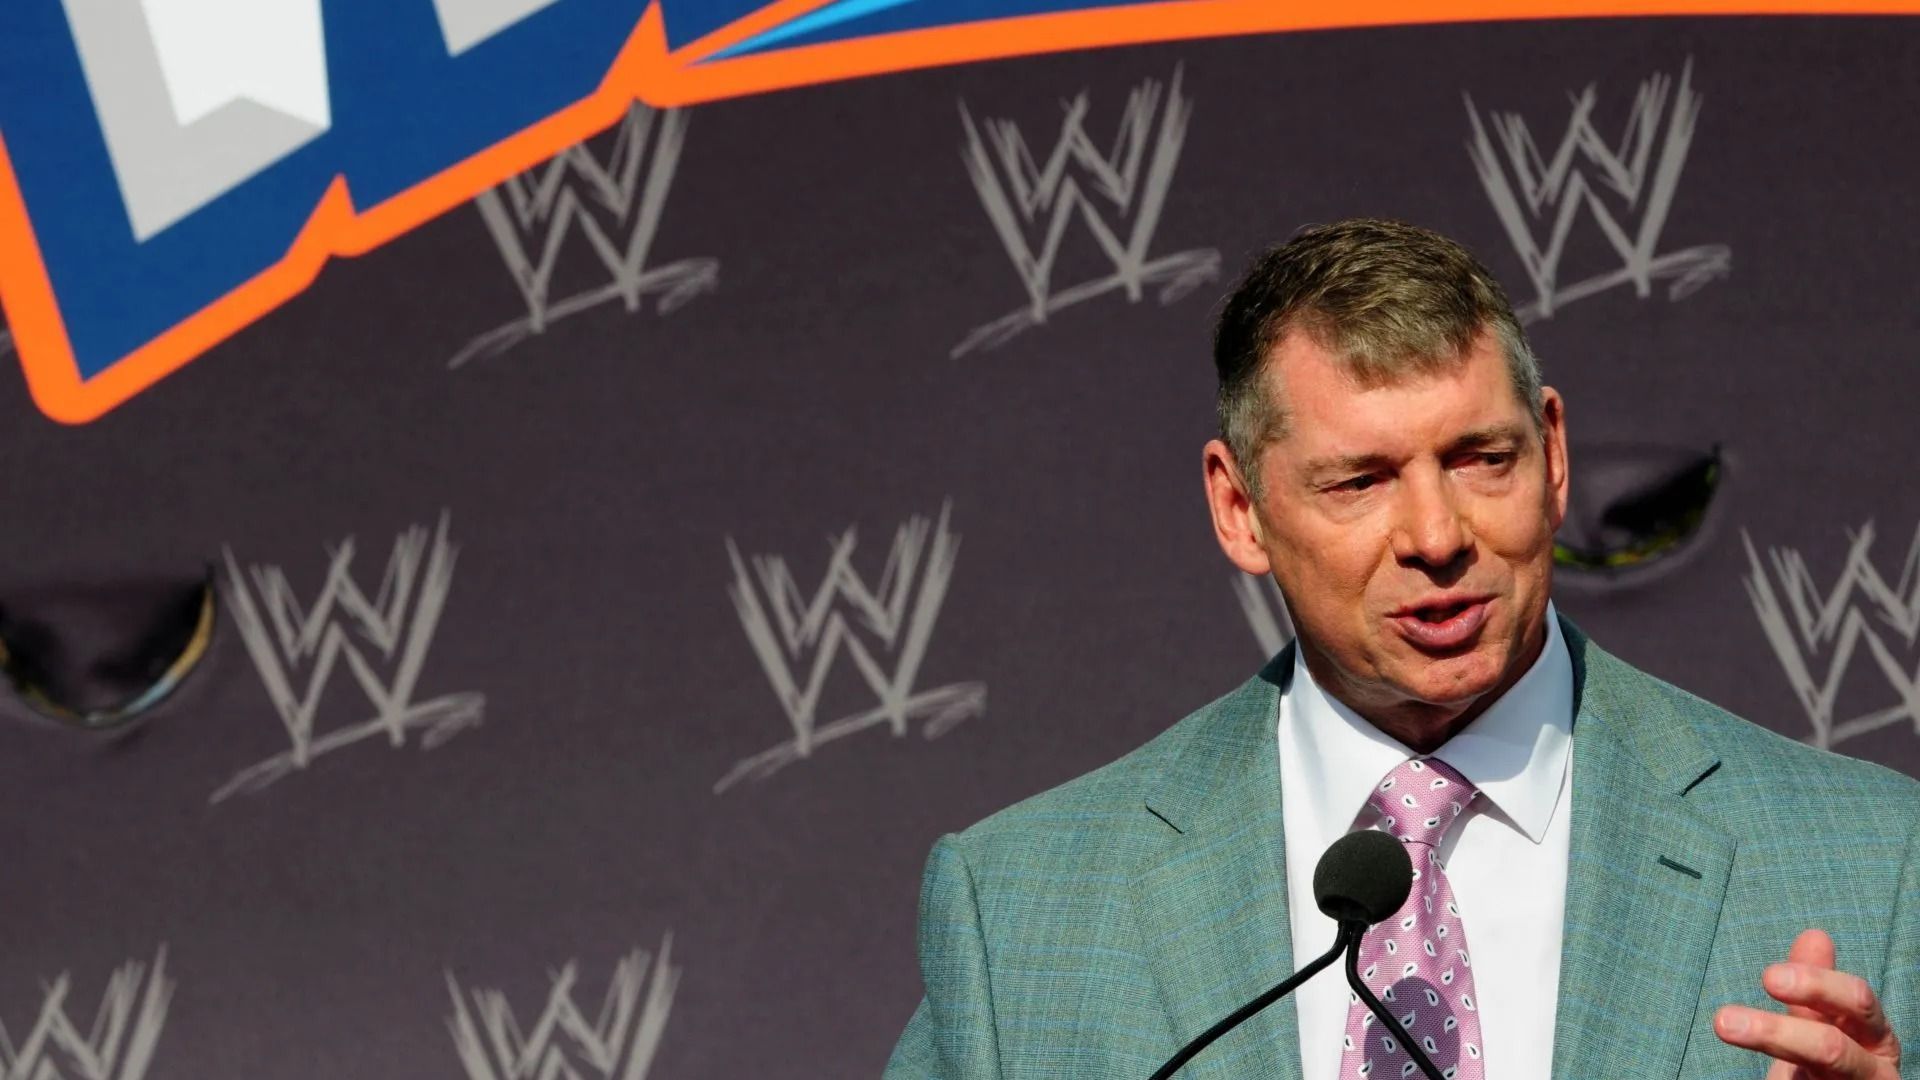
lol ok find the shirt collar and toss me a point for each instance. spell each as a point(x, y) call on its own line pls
point(1516, 752)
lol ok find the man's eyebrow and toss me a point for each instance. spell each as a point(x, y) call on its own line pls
point(1478, 438)
point(1346, 463)
point(1493, 435)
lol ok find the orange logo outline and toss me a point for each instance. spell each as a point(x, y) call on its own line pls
point(646, 69)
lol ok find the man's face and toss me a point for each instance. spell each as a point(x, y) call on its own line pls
point(1410, 527)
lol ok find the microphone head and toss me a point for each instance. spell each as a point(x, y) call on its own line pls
point(1364, 877)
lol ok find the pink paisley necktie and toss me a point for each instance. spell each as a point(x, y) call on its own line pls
point(1417, 961)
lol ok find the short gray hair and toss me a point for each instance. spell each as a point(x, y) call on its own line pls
point(1390, 300)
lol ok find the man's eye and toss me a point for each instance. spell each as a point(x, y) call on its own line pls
point(1358, 483)
point(1493, 459)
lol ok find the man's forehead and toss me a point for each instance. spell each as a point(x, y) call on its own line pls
point(1327, 407)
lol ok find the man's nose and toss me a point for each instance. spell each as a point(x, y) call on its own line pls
point(1430, 529)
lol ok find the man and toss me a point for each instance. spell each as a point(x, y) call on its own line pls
point(1617, 879)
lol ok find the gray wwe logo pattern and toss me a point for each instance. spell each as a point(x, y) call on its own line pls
point(396, 623)
point(562, 1044)
point(798, 638)
point(1805, 626)
point(1031, 204)
point(1539, 198)
point(118, 1045)
point(1266, 612)
point(615, 204)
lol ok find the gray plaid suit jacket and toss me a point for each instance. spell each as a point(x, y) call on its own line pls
point(1092, 930)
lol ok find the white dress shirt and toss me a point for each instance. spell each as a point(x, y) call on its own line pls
point(1506, 857)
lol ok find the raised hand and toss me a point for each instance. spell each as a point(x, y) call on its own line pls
point(1834, 1028)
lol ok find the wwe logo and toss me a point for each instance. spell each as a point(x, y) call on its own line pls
point(1266, 612)
point(1032, 203)
point(798, 638)
point(1539, 202)
point(618, 1044)
point(392, 629)
point(118, 1046)
point(1803, 625)
point(615, 204)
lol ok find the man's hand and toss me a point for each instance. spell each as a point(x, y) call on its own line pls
point(1834, 1028)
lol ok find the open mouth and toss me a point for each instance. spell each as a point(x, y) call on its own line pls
point(1443, 627)
point(1441, 613)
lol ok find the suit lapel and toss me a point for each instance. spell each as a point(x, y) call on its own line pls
point(1645, 880)
point(1212, 904)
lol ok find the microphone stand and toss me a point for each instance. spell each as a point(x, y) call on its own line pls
point(1348, 940)
point(1378, 1009)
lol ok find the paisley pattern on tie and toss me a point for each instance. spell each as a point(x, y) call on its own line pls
point(1417, 961)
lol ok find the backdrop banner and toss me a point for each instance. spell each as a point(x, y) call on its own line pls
point(538, 627)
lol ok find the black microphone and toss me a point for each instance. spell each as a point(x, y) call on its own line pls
point(1362, 879)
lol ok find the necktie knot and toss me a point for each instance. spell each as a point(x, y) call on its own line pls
point(1419, 800)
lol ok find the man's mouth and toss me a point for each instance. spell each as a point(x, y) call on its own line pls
point(1444, 624)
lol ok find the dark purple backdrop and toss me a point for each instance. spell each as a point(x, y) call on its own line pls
point(599, 478)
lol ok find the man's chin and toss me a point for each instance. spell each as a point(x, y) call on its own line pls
point(1454, 681)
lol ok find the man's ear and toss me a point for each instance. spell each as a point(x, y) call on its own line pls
point(1236, 522)
point(1553, 423)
